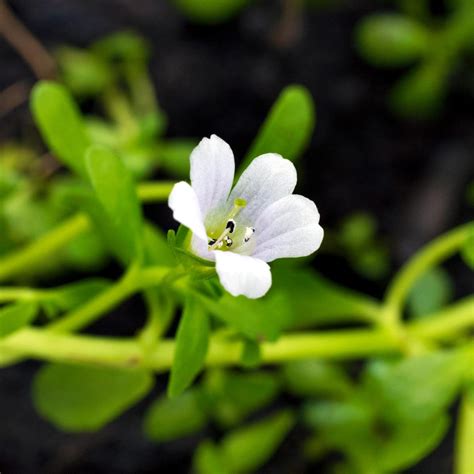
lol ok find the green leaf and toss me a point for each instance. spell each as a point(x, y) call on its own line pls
point(317, 301)
point(430, 293)
point(347, 427)
point(85, 398)
point(262, 318)
point(192, 339)
point(372, 262)
point(208, 459)
point(392, 40)
point(467, 252)
point(357, 230)
point(313, 377)
point(116, 193)
point(61, 125)
point(122, 46)
point(174, 418)
point(288, 127)
point(411, 442)
point(84, 73)
point(210, 11)
point(420, 94)
point(339, 421)
point(15, 316)
point(415, 389)
point(232, 396)
point(174, 156)
point(251, 446)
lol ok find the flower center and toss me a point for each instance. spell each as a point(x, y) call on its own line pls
point(232, 234)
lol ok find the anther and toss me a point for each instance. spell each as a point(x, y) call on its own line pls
point(249, 231)
point(228, 241)
point(230, 225)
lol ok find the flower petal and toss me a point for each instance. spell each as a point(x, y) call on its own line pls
point(185, 206)
point(268, 178)
point(243, 275)
point(212, 172)
point(288, 228)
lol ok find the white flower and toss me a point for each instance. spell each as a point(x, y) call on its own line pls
point(243, 228)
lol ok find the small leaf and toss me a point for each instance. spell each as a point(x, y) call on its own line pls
point(392, 40)
point(415, 389)
point(84, 73)
point(357, 230)
point(313, 377)
point(84, 398)
point(232, 396)
point(192, 339)
point(255, 319)
point(15, 316)
point(117, 196)
point(431, 292)
point(251, 446)
point(210, 11)
point(411, 442)
point(467, 252)
point(208, 459)
point(317, 301)
point(61, 124)
point(288, 127)
point(174, 418)
point(420, 94)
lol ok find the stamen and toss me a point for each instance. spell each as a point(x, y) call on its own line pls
point(239, 204)
point(230, 225)
point(249, 231)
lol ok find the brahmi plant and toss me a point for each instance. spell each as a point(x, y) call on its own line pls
point(253, 320)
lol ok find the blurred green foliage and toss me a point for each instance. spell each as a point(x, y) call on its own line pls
point(434, 46)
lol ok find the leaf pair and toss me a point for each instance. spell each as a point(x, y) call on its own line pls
point(115, 210)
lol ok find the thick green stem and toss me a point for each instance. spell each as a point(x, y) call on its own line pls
point(38, 251)
point(342, 344)
point(464, 459)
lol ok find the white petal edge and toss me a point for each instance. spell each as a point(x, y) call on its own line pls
point(185, 206)
point(288, 228)
point(267, 179)
point(243, 275)
point(212, 172)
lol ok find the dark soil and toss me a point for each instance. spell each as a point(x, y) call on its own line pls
point(223, 79)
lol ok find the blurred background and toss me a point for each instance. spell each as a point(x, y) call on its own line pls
point(390, 165)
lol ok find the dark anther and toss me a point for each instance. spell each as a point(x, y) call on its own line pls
point(230, 225)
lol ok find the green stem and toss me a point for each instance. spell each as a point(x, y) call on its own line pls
point(464, 459)
point(430, 255)
point(36, 252)
point(133, 280)
point(347, 344)
point(447, 323)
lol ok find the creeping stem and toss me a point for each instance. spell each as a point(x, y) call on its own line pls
point(115, 352)
point(432, 254)
point(37, 252)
